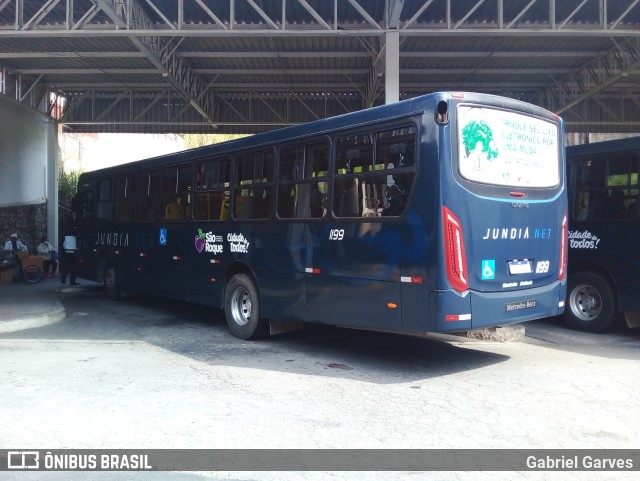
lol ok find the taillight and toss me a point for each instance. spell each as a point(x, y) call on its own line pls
point(562, 271)
point(455, 258)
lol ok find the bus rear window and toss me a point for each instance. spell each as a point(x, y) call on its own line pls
point(500, 147)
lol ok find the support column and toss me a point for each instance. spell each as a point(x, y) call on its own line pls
point(392, 66)
point(52, 184)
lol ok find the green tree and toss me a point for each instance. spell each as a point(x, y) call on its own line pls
point(191, 141)
point(67, 184)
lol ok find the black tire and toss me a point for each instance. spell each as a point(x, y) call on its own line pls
point(111, 283)
point(591, 303)
point(32, 274)
point(242, 308)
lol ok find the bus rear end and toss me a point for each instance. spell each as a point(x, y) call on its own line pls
point(503, 229)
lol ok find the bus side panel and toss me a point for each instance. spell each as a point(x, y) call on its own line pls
point(277, 258)
point(133, 256)
point(421, 226)
point(353, 302)
point(355, 274)
point(608, 247)
point(450, 311)
point(87, 263)
point(282, 295)
point(604, 239)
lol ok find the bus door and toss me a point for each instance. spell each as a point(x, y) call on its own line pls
point(171, 244)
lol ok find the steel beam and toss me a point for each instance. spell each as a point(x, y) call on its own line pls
point(596, 76)
point(173, 69)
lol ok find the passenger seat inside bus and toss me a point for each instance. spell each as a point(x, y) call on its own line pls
point(617, 209)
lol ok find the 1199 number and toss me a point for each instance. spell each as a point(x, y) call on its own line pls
point(336, 234)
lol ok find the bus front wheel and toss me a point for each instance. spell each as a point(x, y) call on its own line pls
point(591, 304)
point(242, 308)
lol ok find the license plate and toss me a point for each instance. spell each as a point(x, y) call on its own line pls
point(518, 306)
point(520, 267)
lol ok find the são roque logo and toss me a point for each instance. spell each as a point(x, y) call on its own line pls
point(209, 242)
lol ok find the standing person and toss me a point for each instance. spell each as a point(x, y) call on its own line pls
point(49, 257)
point(13, 250)
point(68, 265)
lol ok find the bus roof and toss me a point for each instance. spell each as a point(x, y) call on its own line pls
point(605, 147)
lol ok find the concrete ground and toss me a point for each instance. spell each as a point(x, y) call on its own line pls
point(151, 373)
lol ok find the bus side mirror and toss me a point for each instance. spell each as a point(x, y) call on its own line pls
point(442, 112)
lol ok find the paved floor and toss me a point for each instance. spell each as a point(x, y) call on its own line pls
point(25, 306)
point(153, 373)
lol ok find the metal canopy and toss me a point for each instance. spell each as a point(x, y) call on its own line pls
point(253, 65)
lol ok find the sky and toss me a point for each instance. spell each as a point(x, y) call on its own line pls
point(87, 152)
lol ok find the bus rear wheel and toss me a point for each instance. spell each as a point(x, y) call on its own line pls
point(242, 308)
point(591, 304)
point(111, 283)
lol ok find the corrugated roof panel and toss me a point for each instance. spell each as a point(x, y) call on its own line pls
point(273, 62)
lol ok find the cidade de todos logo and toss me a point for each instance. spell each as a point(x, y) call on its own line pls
point(238, 243)
point(209, 242)
point(583, 240)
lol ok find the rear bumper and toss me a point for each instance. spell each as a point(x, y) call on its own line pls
point(452, 312)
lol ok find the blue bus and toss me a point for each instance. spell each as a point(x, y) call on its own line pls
point(442, 213)
point(603, 234)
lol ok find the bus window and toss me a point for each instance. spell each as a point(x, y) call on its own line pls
point(253, 190)
point(291, 164)
point(124, 198)
point(300, 196)
point(176, 185)
point(212, 205)
point(395, 152)
point(607, 188)
point(148, 196)
point(395, 148)
point(318, 199)
point(105, 203)
point(316, 160)
point(289, 170)
point(212, 189)
point(368, 185)
point(84, 208)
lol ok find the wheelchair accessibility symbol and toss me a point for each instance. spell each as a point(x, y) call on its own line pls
point(488, 269)
point(163, 237)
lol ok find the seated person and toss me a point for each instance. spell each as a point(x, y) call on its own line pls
point(49, 257)
point(13, 250)
point(174, 210)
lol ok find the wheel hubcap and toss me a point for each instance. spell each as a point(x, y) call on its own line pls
point(585, 302)
point(241, 306)
point(109, 279)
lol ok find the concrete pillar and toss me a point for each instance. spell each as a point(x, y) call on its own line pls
point(28, 184)
point(52, 184)
point(392, 66)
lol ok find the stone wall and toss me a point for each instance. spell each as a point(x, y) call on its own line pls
point(28, 221)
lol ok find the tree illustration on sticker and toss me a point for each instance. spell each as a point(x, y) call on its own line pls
point(477, 139)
